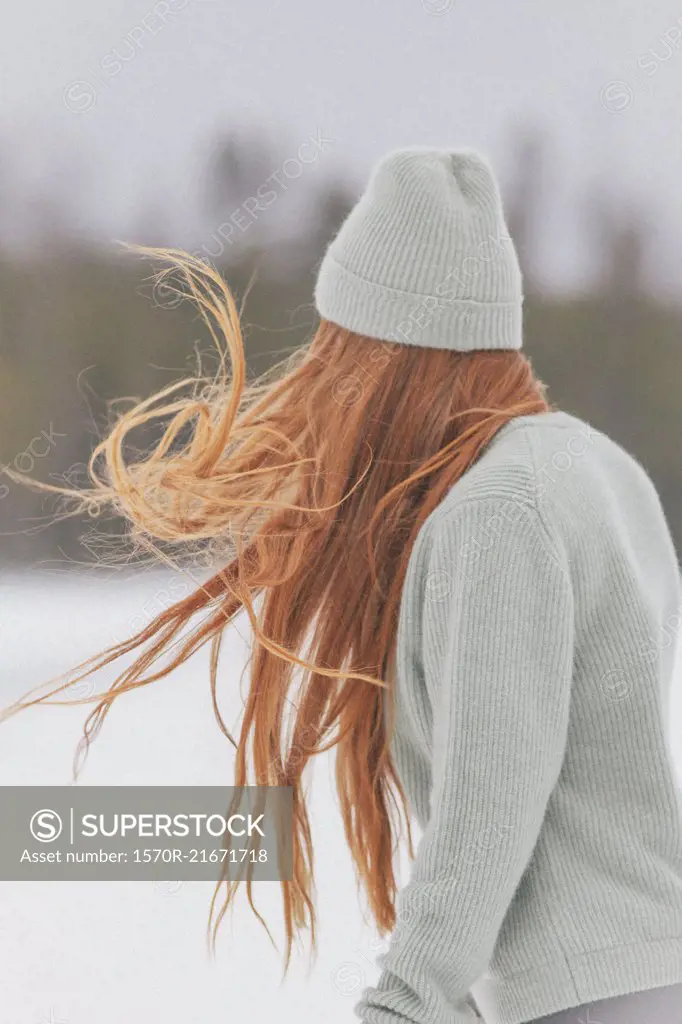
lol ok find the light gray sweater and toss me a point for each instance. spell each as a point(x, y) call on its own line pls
point(535, 655)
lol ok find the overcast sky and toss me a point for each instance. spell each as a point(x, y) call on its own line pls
point(114, 102)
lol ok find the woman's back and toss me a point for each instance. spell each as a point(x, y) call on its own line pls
point(561, 866)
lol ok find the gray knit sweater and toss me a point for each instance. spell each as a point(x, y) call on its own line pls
point(535, 656)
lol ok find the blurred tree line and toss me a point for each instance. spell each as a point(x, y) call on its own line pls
point(80, 325)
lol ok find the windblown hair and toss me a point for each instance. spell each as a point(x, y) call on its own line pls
point(316, 478)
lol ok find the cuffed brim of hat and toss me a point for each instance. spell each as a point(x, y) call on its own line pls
point(424, 320)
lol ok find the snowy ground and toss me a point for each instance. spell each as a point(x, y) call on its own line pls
point(102, 953)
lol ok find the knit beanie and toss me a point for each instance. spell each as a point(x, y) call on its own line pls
point(425, 257)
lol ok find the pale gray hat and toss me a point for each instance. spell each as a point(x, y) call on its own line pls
point(425, 257)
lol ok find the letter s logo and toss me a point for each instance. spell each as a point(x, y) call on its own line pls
point(46, 826)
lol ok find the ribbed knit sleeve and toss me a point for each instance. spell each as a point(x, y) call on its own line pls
point(496, 627)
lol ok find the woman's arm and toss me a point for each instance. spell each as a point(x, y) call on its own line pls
point(497, 643)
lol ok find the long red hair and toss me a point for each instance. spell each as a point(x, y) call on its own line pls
point(311, 485)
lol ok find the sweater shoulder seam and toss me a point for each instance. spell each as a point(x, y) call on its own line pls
point(549, 540)
point(538, 504)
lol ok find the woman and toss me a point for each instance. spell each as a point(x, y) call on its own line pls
point(480, 591)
